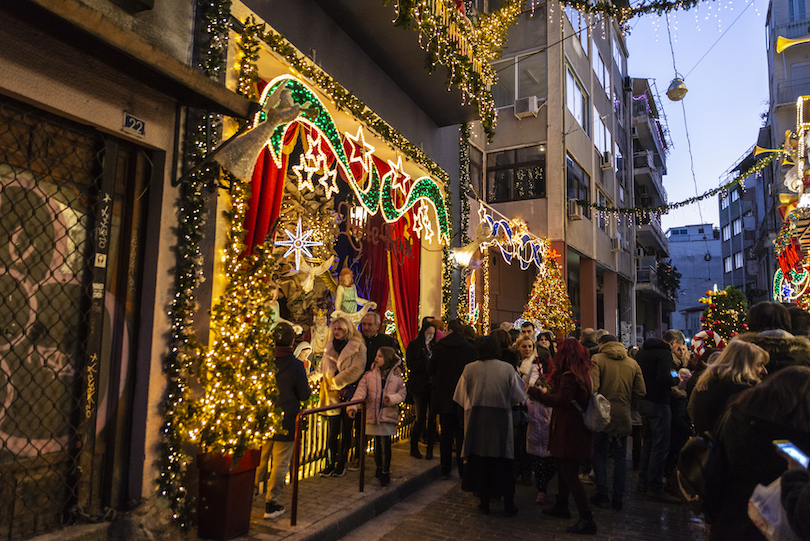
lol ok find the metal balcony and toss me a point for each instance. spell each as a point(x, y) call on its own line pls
point(650, 235)
point(648, 285)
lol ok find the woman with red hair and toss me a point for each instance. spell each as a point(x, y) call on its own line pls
point(570, 441)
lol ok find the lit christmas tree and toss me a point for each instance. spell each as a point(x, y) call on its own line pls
point(238, 410)
point(549, 307)
point(725, 312)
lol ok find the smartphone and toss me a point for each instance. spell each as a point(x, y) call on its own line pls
point(790, 449)
point(673, 373)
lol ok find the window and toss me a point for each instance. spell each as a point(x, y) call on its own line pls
point(726, 232)
point(735, 194)
point(576, 99)
point(601, 219)
point(727, 264)
point(619, 58)
point(621, 172)
point(580, 25)
point(738, 260)
point(736, 226)
point(477, 171)
point(618, 106)
point(621, 194)
point(796, 10)
point(724, 201)
point(520, 77)
point(601, 71)
point(516, 174)
point(600, 133)
point(700, 230)
point(579, 184)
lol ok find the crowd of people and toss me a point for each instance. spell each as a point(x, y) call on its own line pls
point(510, 406)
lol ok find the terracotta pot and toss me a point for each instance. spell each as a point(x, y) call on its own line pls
point(226, 494)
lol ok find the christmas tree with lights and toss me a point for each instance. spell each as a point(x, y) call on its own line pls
point(238, 410)
point(725, 313)
point(549, 307)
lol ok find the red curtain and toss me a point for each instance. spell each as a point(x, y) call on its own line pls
point(405, 284)
point(267, 190)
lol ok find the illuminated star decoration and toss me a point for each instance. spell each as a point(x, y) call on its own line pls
point(421, 223)
point(298, 243)
point(361, 152)
point(482, 213)
point(397, 172)
point(313, 161)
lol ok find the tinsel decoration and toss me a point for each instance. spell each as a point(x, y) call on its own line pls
point(725, 312)
point(184, 348)
point(549, 307)
point(645, 212)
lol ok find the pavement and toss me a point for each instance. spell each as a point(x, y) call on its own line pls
point(420, 506)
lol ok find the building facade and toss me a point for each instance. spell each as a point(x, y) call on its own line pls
point(695, 252)
point(564, 136)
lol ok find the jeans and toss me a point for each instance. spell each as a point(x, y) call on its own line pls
point(281, 452)
point(452, 431)
point(382, 453)
point(338, 439)
point(657, 425)
point(601, 443)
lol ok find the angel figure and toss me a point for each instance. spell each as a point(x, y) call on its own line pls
point(347, 303)
point(309, 272)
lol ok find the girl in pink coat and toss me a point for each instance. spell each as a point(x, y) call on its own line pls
point(542, 463)
point(383, 390)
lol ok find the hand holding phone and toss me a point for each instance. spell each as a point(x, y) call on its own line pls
point(793, 453)
point(673, 373)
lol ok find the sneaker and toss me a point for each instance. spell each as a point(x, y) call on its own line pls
point(327, 471)
point(662, 497)
point(541, 498)
point(600, 500)
point(339, 471)
point(273, 510)
point(354, 465)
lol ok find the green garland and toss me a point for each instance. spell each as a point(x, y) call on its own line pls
point(185, 349)
point(464, 190)
point(343, 99)
point(663, 209)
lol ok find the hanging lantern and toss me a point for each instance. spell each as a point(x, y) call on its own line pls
point(677, 89)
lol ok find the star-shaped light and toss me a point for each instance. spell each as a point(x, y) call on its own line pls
point(482, 213)
point(397, 172)
point(422, 226)
point(298, 243)
point(360, 150)
point(329, 182)
point(305, 167)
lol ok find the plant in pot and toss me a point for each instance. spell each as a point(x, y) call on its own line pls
point(237, 411)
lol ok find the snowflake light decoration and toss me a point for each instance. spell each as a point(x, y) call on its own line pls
point(297, 243)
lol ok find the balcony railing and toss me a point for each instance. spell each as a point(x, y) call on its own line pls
point(793, 30)
point(789, 91)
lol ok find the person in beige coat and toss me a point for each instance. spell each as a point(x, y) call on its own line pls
point(617, 377)
point(342, 366)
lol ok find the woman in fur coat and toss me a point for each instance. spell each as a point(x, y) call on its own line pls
point(342, 366)
point(383, 390)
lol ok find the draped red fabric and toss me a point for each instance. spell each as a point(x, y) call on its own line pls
point(405, 286)
point(376, 257)
point(267, 191)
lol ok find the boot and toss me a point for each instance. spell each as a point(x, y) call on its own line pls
point(385, 478)
point(583, 527)
point(428, 453)
point(415, 449)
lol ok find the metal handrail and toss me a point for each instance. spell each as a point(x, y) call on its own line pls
point(297, 450)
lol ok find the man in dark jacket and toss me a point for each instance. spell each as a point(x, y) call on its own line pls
point(450, 355)
point(370, 326)
point(657, 367)
point(291, 381)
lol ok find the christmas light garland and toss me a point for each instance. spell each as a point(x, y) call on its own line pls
point(184, 347)
point(663, 209)
point(464, 190)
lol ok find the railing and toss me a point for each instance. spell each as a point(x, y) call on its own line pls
point(792, 30)
point(789, 91)
point(297, 450)
point(460, 36)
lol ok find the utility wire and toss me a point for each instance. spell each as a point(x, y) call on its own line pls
point(721, 37)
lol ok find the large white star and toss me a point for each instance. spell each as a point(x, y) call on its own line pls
point(397, 172)
point(360, 150)
point(298, 243)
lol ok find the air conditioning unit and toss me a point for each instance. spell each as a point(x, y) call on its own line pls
point(573, 210)
point(616, 244)
point(628, 84)
point(527, 106)
point(607, 160)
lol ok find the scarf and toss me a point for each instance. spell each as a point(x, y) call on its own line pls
point(283, 351)
point(339, 345)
